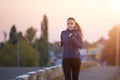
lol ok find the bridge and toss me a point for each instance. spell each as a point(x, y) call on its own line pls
point(90, 71)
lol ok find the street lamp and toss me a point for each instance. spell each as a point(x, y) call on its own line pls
point(36, 51)
point(18, 52)
point(117, 46)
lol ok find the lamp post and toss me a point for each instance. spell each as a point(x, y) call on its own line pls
point(36, 51)
point(117, 46)
point(5, 37)
point(18, 52)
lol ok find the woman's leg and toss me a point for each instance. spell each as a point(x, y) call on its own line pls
point(66, 69)
point(76, 64)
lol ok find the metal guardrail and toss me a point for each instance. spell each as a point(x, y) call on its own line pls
point(51, 73)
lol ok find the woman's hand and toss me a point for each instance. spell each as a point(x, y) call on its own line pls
point(59, 44)
point(70, 35)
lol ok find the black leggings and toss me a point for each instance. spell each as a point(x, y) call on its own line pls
point(71, 68)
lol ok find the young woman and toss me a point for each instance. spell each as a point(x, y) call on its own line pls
point(71, 40)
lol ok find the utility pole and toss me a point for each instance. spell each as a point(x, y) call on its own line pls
point(5, 37)
point(36, 51)
point(18, 52)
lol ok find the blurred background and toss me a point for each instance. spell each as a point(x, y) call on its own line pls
point(30, 31)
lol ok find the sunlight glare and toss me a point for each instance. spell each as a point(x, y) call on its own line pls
point(116, 5)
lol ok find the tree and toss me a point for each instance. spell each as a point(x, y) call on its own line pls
point(43, 51)
point(30, 34)
point(43, 46)
point(5, 36)
point(27, 53)
point(8, 53)
point(13, 35)
point(109, 52)
point(44, 27)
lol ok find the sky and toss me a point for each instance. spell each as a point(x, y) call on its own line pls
point(96, 17)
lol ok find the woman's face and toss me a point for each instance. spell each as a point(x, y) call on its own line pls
point(70, 24)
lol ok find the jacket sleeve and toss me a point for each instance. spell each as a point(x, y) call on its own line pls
point(77, 41)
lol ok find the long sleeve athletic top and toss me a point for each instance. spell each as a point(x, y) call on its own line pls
point(71, 45)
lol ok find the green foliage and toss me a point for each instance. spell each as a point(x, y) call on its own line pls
point(8, 54)
point(13, 35)
point(44, 27)
point(43, 49)
point(30, 34)
point(1, 45)
point(43, 46)
point(27, 53)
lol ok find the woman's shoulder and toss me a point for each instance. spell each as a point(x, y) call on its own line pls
point(63, 31)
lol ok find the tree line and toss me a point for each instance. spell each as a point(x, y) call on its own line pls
point(21, 50)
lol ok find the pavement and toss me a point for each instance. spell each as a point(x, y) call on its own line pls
point(92, 73)
point(10, 73)
point(99, 73)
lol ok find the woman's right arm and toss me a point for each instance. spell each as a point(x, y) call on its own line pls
point(61, 42)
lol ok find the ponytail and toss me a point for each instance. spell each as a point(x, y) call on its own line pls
point(77, 25)
point(79, 28)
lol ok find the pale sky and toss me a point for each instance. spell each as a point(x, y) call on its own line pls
point(96, 17)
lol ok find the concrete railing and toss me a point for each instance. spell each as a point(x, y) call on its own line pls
point(51, 73)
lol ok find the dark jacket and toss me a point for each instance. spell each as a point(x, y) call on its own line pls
point(71, 45)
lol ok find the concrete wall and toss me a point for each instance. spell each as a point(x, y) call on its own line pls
point(51, 73)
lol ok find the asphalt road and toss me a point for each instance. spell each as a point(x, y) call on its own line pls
point(93, 73)
point(99, 73)
point(9, 73)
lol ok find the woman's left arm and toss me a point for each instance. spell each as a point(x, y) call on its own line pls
point(77, 41)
